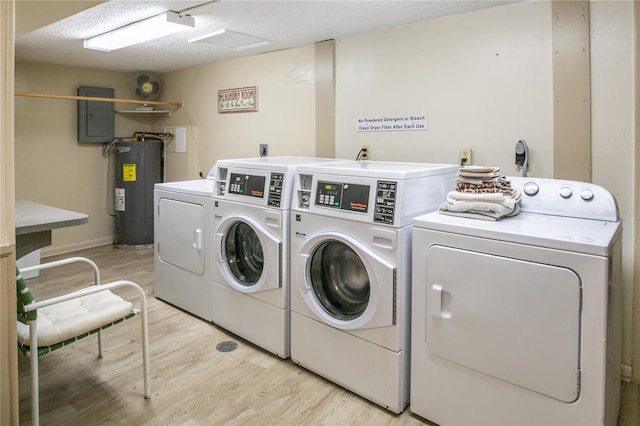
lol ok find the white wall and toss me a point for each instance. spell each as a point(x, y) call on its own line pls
point(484, 80)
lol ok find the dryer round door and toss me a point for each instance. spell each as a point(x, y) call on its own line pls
point(248, 255)
point(345, 284)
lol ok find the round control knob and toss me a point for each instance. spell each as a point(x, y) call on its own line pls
point(586, 194)
point(565, 192)
point(531, 188)
point(304, 199)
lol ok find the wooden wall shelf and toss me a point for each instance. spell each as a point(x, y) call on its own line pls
point(95, 99)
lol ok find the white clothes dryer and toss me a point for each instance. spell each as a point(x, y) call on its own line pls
point(182, 263)
point(517, 321)
point(250, 236)
point(351, 269)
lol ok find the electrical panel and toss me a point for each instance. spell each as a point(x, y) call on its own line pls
point(95, 119)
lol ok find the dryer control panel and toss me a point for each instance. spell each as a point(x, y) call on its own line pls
point(565, 198)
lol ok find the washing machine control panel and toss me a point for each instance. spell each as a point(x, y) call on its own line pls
point(275, 189)
point(249, 185)
point(355, 198)
point(385, 202)
point(343, 196)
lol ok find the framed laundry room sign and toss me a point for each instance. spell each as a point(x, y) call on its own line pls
point(242, 99)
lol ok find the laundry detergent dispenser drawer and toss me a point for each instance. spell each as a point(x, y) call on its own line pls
point(514, 320)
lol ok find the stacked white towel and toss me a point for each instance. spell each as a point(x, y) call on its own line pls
point(482, 193)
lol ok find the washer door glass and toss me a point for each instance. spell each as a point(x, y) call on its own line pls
point(339, 280)
point(243, 251)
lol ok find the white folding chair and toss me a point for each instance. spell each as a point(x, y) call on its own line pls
point(58, 321)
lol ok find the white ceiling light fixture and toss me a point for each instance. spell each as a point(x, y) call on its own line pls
point(141, 31)
point(231, 40)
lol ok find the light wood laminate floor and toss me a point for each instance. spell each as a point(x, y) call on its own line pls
point(191, 382)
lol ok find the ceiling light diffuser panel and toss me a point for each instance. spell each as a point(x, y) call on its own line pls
point(230, 39)
point(138, 32)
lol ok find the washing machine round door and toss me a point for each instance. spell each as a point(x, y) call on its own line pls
point(339, 280)
point(244, 254)
point(347, 285)
point(249, 256)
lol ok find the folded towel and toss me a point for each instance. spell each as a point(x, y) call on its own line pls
point(455, 197)
point(479, 171)
point(479, 209)
point(481, 193)
point(493, 185)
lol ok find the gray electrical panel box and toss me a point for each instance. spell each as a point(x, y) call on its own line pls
point(95, 119)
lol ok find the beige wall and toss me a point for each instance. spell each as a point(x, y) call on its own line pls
point(612, 138)
point(484, 80)
point(51, 166)
point(636, 201)
point(286, 105)
point(8, 353)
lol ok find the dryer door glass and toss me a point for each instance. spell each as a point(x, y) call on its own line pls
point(339, 280)
point(244, 253)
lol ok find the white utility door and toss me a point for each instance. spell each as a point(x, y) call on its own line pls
point(181, 234)
point(514, 320)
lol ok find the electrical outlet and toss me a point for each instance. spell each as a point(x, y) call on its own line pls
point(264, 149)
point(365, 152)
point(465, 157)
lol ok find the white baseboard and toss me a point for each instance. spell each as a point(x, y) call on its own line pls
point(626, 373)
point(56, 250)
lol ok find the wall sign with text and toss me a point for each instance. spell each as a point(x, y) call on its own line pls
point(401, 123)
point(243, 99)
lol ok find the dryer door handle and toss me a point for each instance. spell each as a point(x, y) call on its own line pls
point(436, 300)
point(197, 239)
point(440, 302)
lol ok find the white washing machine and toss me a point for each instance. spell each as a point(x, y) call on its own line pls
point(517, 322)
point(250, 237)
point(182, 262)
point(351, 270)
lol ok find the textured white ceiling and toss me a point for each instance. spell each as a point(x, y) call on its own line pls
point(284, 24)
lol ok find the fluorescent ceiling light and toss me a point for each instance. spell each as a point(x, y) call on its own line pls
point(141, 31)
